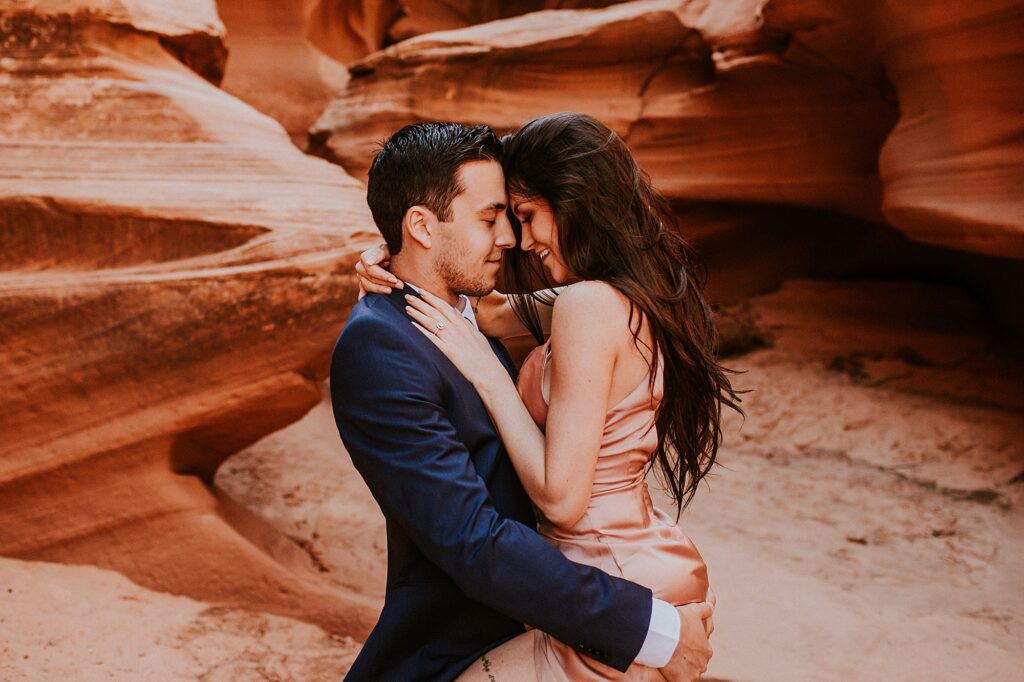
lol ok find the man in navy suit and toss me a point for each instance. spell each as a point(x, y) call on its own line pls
point(466, 568)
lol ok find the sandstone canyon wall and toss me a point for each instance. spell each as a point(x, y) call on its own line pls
point(888, 111)
point(172, 275)
point(348, 30)
point(273, 67)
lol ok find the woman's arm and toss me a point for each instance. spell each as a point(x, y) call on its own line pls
point(494, 313)
point(497, 318)
point(557, 470)
point(583, 354)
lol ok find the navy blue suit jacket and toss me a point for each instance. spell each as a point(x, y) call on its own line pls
point(466, 568)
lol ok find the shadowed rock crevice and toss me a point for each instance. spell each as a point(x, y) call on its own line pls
point(198, 53)
point(43, 235)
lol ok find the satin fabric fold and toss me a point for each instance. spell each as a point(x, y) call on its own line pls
point(622, 533)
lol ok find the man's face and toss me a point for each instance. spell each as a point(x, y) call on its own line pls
point(470, 246)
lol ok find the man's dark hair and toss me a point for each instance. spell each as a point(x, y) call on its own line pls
point(418, 166)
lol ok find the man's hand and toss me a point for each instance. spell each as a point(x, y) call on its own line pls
point(709, 623)
point(693, 652)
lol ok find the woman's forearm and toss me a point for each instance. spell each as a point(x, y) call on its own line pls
point(496, 317)
point(523, 440)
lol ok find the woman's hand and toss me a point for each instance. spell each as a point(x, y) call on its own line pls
point(373, 277)
point(457, 338)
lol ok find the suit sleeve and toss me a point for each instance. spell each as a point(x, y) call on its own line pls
point(388, 405)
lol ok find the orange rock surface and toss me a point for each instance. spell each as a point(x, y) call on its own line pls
point(704, 101)
point(86, 624)
point(953, 166)
point(349, 30)
point(172, 275)
point(880, 110)
point(273, 67)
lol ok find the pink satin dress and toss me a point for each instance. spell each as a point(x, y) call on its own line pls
point(621, 532)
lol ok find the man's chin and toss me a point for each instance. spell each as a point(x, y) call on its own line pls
point(468, 286)
point(477, 292)
point(480, 287)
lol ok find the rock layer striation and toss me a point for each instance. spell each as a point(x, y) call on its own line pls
point(709, 119)
point(172, 274)
point(349, 30)
point(882, 111)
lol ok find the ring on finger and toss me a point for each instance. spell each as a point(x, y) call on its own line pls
point(438, 326)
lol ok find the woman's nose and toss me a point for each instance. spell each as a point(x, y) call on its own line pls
point(527, 241)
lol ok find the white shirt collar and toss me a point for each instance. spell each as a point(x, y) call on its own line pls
point(463, 306)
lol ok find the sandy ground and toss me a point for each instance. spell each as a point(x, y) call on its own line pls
point(82, 623)
point(864, 524)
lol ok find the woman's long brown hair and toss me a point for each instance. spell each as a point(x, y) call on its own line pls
point(614, 227)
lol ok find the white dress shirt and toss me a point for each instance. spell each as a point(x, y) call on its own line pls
point(663, 631)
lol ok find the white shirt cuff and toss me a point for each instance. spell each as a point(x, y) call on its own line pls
point(662, 636)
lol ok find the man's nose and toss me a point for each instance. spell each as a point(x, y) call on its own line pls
point(506, 238)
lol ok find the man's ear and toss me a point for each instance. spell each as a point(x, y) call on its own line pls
point(419, 224)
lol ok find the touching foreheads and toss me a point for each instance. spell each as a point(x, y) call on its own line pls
point(419, 166)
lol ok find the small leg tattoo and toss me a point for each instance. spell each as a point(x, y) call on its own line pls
point(487, 669)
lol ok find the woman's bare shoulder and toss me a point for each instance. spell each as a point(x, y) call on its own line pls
point(593, 303)
point(596, 314)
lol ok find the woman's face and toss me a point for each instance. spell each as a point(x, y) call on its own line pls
point(540, 234)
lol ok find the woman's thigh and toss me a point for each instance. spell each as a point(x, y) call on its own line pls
point(511, 662)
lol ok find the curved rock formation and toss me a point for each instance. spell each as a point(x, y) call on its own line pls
point(700, 94)
point(348, 30)
point(172, 275)
point(953, 166)
point(880, 110)
point(191, 31)
point(273, 67)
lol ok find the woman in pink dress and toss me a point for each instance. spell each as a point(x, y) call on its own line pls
point(627, 381)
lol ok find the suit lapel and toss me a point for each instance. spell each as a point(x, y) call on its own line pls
point(503, 355)
point(397, 299)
